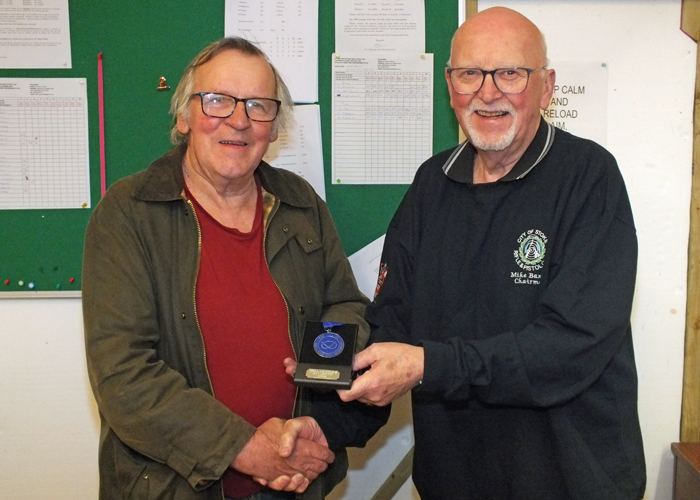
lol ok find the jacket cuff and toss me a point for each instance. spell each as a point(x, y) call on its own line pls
point(196, 477)
point(439, 370)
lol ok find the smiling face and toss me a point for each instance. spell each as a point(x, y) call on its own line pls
point(494, 121)
point(226, 151)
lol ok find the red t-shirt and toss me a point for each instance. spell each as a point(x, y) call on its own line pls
point(244, 321)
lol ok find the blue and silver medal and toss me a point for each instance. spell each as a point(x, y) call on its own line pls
point(329, 344)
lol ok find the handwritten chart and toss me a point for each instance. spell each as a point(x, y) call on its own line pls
point(44, 159)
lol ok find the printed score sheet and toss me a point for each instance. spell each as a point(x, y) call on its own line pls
point(298, 149)
point(34, 34)
point(44, 157)
point(385, 26)
point(287, 32)
point(382, 108)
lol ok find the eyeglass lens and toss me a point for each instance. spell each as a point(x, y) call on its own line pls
point(470, 80)
point(222, 106)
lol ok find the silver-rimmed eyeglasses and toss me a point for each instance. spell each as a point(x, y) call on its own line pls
point(507, 80)
point(258, 109)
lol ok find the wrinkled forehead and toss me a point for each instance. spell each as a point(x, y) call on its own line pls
point(232, 67)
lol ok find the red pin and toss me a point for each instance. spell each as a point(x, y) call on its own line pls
point(71, 280)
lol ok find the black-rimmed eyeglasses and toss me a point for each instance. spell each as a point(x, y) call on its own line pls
point(507, 80)
point(258, 109)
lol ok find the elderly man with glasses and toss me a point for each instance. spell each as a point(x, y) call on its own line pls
point(199, 275)
point(505, 293)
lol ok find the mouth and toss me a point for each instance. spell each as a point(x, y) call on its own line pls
point(491, 114)
point(233, 143)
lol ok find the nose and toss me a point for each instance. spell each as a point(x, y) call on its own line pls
point(239, 119)
point(488, 91)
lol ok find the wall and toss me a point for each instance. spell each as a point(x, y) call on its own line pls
point(48, 421)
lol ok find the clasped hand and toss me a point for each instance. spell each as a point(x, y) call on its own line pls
point(285, 455)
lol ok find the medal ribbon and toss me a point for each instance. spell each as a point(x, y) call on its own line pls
point(328, 325)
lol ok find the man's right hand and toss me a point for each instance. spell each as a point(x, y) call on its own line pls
point(395, 369)
point(285, 455)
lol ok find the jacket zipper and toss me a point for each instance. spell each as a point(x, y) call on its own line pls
point(273, 211)
point(194, 294)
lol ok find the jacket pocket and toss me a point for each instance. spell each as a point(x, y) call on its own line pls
point(129, 470)
point(309, 241)
point(141, 478)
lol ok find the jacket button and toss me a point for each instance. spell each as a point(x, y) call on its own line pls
point(183, 315)
point(301, 310)
point(285, 229)
point(309, 241)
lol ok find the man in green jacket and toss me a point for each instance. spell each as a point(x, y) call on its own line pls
point(199, 274)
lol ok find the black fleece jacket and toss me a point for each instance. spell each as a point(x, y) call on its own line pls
point(520, 291)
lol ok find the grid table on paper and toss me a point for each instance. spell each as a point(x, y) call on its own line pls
point(43, 152)
point(382, 125)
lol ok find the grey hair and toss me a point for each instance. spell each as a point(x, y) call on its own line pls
point(179, 104)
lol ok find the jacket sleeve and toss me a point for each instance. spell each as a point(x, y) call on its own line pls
point(151, 407)
point(580, 322)
point(344, 424)
point(389, 313)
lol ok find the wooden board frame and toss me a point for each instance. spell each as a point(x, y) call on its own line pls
point(690, 407)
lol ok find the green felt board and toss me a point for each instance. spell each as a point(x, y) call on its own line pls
point(140, 42)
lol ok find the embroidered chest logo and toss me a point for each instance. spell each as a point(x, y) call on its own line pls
point(529, 256)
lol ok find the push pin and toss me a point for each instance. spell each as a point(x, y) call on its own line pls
point(163, 85)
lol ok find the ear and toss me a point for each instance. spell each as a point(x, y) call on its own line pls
point(273, 136)
point(548, 88)
point(182, 125)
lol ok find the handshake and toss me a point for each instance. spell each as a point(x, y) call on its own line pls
point(285, 455)
point(288, 455)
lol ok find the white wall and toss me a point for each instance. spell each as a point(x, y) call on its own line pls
point(48, 421)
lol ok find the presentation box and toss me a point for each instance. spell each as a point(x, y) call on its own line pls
point(326, 356)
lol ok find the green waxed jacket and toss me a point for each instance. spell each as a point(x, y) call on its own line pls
point(163, 434)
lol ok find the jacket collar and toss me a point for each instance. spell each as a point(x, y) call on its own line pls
point(460, 165)
point(163, 180)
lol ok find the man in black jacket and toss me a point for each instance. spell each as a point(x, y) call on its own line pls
point(505, 293)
